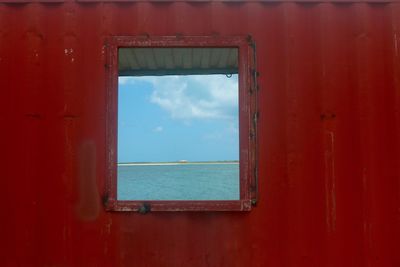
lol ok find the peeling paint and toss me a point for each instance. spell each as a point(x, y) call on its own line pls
point(68, 51)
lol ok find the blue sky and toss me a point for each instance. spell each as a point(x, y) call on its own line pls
point(171, 118)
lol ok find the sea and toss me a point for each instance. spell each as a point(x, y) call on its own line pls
point(181, 181)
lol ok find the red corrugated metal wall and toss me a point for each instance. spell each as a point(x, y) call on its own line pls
point(329, 131)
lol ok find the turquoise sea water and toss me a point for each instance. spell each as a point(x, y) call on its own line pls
point(179, 182)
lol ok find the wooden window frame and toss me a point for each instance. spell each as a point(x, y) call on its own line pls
point(247, 123)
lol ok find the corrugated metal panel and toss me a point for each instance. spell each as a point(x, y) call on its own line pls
point(329, 138)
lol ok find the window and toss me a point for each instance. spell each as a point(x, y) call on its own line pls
point(181, 124)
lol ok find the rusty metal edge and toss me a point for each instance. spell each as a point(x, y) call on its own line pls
point(184, 205)
point(247, 179)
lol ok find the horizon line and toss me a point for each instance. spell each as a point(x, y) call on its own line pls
point(182, 162)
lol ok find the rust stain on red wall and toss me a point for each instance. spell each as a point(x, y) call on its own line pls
point(329, 130)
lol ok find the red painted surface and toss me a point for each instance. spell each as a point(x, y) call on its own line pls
point(329, 131)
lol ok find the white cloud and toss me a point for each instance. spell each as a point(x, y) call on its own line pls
point(158, 129)
point(123, 80)
point(195, 96)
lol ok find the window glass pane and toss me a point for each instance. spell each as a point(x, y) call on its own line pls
point(178, 136)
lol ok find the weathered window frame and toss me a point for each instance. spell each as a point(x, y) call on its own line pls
point(247, 123)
